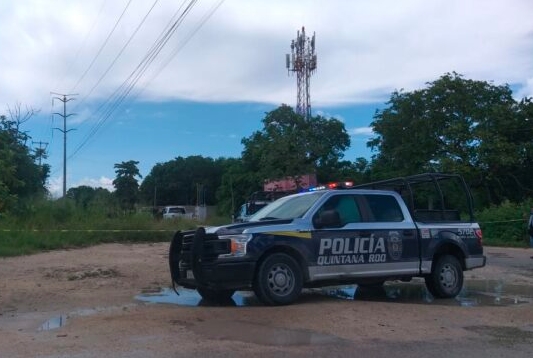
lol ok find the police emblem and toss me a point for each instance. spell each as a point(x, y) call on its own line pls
point(394, 245)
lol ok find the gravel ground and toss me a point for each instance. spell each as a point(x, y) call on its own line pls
point(87, 303)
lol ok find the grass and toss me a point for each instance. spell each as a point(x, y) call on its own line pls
point(52, 225)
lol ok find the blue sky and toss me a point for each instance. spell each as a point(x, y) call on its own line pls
point(156, 133)
point(224, 67)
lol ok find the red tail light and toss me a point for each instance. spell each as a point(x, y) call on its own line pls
point(479, 235)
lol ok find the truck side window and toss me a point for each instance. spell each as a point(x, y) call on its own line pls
point(384, 208)
point(346, 206)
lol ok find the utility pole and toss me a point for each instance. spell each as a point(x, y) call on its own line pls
point(41, 152)
point(64, 99)
point(302, 60)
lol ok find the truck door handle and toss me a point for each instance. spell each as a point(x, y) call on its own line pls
point(408, 232)
point(364, 233)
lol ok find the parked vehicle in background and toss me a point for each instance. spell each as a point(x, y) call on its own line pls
point(176, 211)
point(273, 190)
point(417, 226)
point(256, 202)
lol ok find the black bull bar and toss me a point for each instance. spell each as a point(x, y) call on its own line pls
point(196, 253)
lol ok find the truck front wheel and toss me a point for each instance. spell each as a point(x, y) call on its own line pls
point(446, 279)
point(214, 295)
point(279, 280)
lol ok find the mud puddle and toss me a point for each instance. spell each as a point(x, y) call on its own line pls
point(263, 334)
point(188, 297)
point(474, 293)
point(53, 323)
point(61, 320)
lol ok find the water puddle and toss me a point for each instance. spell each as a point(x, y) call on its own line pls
point(53, 323)
point(260, 334)
point(59, 321)
point(188, 297)
point(474, 293)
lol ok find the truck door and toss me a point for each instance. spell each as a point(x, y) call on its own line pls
point(371, 237)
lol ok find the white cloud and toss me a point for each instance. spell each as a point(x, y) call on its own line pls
point(55, 184)
point(55, 187)
point(102, 182)
point(361, 131)
point(365, 49)
point(328, 115)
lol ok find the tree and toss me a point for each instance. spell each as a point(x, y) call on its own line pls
point(236, 186)
point(85, 196)
point(290, 145)
point(126, 185)
point(456, 125)
point(21, 179)
point(186, 181)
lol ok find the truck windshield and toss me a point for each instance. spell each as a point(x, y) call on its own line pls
point(289, 207)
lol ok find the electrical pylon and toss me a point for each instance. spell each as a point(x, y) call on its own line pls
point(64, 99)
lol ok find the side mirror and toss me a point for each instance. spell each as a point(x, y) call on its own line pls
point(327, 218)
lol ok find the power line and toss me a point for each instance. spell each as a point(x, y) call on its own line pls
point(117, 98)
point(87, 35)
point(119, 54)
point(107, 107)
point(103, 45)
point(201, 23)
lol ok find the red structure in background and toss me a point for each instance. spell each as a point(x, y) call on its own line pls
point(291, 183)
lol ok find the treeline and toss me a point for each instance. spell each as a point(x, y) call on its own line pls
point(457, 125)
point(22, 177)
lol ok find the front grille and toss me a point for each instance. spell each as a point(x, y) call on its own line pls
point(211, 248)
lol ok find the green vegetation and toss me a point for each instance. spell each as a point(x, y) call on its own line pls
point(21, 178)
point(506, 224)
point(454, 125)
point(61, 225)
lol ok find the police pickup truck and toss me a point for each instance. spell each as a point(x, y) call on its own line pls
point(389, 230)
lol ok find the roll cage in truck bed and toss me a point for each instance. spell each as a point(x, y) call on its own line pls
point(441, 209)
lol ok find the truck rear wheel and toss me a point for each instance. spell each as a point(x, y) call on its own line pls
point(279, 280)
point(446, 279)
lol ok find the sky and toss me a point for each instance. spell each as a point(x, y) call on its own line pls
point(152, 80)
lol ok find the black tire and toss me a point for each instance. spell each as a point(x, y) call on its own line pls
point(279, 280)
point(371, 284)
point(215, 295)
point(174, 253)
point(446, 279)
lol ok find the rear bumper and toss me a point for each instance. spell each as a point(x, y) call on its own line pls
point(474, 262)
point(220, 275)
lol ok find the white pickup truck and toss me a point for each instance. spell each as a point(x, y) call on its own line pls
point(176, 211)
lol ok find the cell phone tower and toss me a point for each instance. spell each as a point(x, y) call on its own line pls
point(302, 60)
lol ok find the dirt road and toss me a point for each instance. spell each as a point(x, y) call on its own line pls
point(97, 302)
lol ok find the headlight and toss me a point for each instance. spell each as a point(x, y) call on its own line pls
point(238, 244)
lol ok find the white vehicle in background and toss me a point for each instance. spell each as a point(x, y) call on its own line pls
point(176, 211)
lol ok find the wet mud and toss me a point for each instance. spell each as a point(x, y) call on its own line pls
point(474, 293)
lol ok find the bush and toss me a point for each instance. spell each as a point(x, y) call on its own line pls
point(506, 225)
